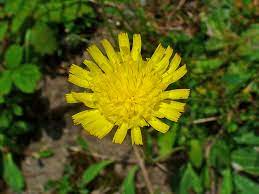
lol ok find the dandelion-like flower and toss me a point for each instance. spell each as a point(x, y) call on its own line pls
point(126, 92)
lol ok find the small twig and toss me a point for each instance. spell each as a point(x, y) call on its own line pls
point(205, 120)
point(181, 3)
point(162, 168)
point(144, 170)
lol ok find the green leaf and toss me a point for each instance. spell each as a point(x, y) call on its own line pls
point(190, 181)
point(206, 177)
point(226, 185)
point(43, 39)
point(3, 30)
point(11, 7)
point(13, 56)
point(166, 141)
point(73, 11)
point(232, 127)
point(217, 21)
point(128, 186)
point(2, 100)
point(244, 185)
point(236, 76)
point(6, 142)
point(64, 185)
point(5, 82)
point(247, 138)
point(24, 10)
point(92, 171)
point(12, 175)
point(25, 77)
point(196, 153)
point(63, 11)
point(51, 11)
point(246, 159)
point(2, 141)
point(18, 21)
point(214, 44)
point(247, 2)
point(45, 153)
point(219, 156)
point(18, 128)
point(17, 110)
point(248, 44)
point(205, 65)
point(5, 119)
point(82, 142)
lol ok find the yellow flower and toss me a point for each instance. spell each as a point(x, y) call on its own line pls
point(126, 91)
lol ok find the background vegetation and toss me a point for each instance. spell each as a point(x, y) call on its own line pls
point(215, 146)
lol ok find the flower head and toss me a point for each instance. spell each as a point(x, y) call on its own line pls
point(127, 92)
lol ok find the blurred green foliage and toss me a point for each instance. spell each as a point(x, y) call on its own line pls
point(128, 186)
point(29, 33)
point(217, 138)
point(223, 73)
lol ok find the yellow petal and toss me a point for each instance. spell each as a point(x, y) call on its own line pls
point(124, 40)
point(158, 125)
point(163, 64)
point(174, 76)
point(70, 98)
point(86, 98)
point(93, 67)
point(77, 81)
point(90, 125)
point(174, 105)
point(80, 72)
point(176, 94)
point(104, 130)
point(136, 137)
point(89, 120)
point(82, 117)
point(98, 127)
point(120, 133)
point(179, 73)
point(99, 58)
point(136, 47)
point(143, 123)
point(175, 62)
point(158, 54)
point(124, 46)
point(169, 113)
point(112, 55)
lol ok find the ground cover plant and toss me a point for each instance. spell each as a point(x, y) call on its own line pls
point(214, 146)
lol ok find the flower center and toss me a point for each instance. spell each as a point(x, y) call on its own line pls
point(129, 94)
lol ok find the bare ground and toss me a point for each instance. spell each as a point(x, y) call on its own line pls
point(38, 172)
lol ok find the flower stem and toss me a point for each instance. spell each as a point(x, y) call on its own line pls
point(143, 169)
